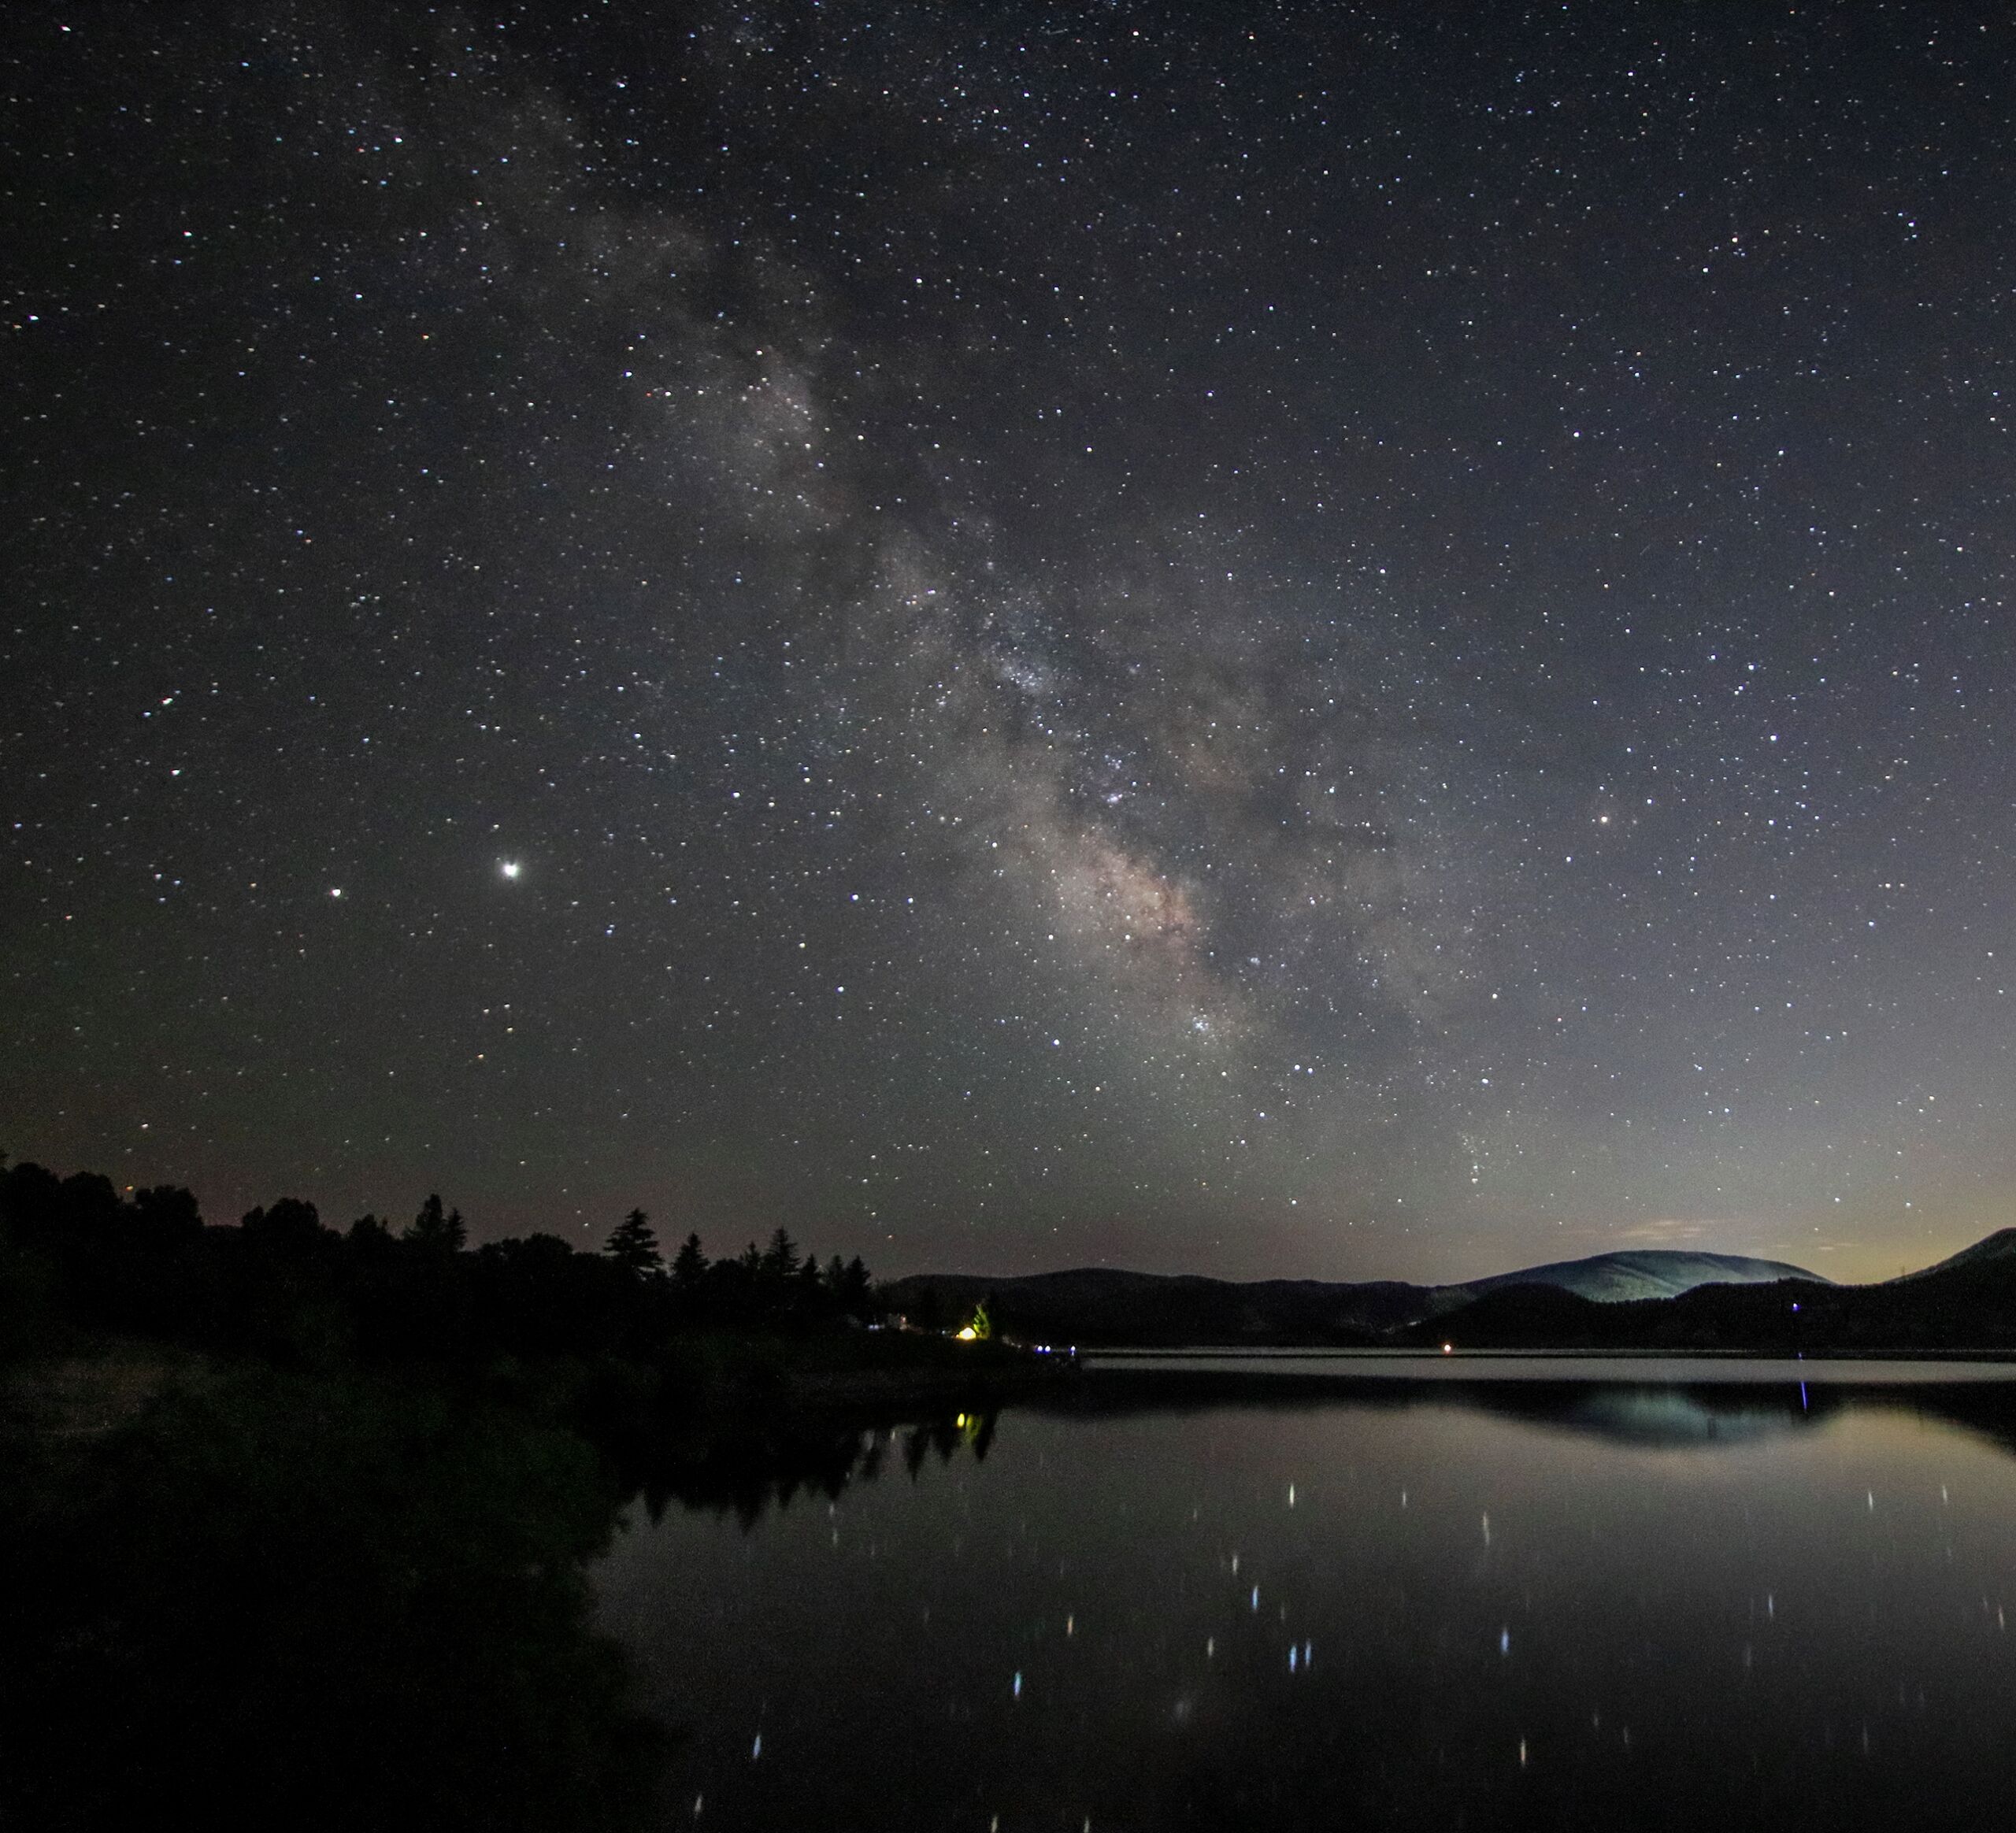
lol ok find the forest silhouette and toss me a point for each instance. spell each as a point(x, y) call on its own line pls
point(295, 1523)
point(285, 1285)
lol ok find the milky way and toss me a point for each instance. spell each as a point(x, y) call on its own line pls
point(1330, 640)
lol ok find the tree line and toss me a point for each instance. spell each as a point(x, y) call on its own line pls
point(284, 1284)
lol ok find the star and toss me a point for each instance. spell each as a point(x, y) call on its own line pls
point(1197, 594)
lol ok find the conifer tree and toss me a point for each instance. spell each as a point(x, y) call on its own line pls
point(779, 1259)
point(632, 1245)
point(689, 1265)
point(444, 1233)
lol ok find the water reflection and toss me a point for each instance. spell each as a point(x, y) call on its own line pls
point(1675, 1417)
point(744, 1468)
point(1431, 1604)
point(1628, 1402)
point(1671, 1418)
point(281, 1601)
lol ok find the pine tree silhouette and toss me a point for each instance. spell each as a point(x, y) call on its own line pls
point(431, 1228)
point(632, 1244)
point(689, 1265)
point(779, 1259)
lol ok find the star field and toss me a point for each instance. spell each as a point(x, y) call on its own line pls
point(1345, 641)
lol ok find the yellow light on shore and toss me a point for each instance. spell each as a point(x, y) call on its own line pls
point(968, 1335)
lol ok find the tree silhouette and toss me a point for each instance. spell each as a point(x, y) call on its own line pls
point(441, 1234)
point(779, 1259)
point(286, 1287)
point(633, 1245)
point(689, 1265)
point(168, 1209)
point(290, 1223)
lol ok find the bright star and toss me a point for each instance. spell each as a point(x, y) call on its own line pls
point(508, 867)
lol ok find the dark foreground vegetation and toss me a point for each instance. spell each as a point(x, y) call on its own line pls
point(615, 1344)
point(295, 1523)
point(274, 1598)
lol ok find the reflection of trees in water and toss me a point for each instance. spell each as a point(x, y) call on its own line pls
point(308, 1604)
point(748, 1466)
point(315, 1601)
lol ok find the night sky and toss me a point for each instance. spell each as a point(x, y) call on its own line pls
point(1262, 639)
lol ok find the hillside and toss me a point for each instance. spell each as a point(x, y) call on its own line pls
point(1108, 1306)
point(1963, 1305)
point(1999, 1246)
point(1614, 1278)
point(1098, 1304)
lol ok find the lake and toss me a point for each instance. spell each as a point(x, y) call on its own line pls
point(1473, 1593)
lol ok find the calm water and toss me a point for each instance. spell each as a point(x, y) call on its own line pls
point(1600, 1602)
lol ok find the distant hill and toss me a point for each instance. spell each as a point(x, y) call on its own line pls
point(1107, 1306)
point(1966, 1305)
point(1616, 1279)
point(1100, 1305)
point(1674, 1302)
point(1999, 1246)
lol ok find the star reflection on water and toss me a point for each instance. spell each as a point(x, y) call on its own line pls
point(1737, 1604)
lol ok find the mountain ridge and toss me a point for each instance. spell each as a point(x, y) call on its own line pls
point(1999, 1246)
point(1632, 1273)
point(1118, 1307)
